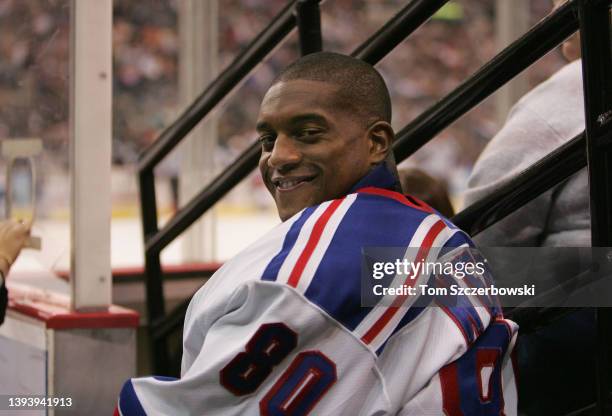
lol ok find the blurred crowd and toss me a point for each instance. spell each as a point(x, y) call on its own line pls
point(34, 71)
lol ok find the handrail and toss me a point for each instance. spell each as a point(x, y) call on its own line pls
point(169, 324)
point(540, 39)
point(198, 205)
point(229, 78)
point(396, 30)
point(424, 127)
point(549, 171)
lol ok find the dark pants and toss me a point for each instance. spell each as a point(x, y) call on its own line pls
point(557, 366)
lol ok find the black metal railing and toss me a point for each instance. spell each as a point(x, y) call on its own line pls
point(308, 20)
point(551, 170)
point(597, 76)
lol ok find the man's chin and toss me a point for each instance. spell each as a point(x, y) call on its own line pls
point(286, 213)
point(288, 207)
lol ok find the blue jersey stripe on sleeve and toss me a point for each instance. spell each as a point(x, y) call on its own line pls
point(128, 401)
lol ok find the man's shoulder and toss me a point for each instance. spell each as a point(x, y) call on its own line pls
point(333, 234)
point(376, 215)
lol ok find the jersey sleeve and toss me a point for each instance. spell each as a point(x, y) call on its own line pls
point(455, 357)
point(480, 381)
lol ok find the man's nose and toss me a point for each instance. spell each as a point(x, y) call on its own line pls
point(285, 153)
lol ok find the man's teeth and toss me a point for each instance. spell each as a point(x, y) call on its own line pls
point(285, 184)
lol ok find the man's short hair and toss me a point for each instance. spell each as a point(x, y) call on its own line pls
point(362, 88)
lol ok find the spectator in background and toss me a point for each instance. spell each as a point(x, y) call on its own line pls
point(13, 237)
point(553, 379)
point(433, 192)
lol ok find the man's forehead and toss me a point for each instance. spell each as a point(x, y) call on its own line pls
point(298, 94)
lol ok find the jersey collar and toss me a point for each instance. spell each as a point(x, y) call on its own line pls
point(379, 177)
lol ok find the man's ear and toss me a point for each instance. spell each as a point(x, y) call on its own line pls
point(381, 138)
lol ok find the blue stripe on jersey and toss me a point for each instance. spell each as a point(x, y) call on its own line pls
point(165, 378)
point(467, 317)
point(336, 285)
point(462, 311)
point(128, 401)
point(275, 264)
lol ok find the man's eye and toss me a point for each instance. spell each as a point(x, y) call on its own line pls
point(267, 141)
point(305, 133)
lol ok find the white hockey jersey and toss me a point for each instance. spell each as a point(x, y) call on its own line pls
point(280, 329)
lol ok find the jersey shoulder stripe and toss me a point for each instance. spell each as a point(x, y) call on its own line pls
point(321, 256)
point(402, 199)
point(336, 284)
point(454, 238)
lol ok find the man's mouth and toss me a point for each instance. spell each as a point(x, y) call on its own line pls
point(289, 184)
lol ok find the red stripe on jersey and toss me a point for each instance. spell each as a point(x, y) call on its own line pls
point(116, 412)
point(315, 236)
point(451, 401)
point(372, 190)
point(410, 281)
point(487, 357)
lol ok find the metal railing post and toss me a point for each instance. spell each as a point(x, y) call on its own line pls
point(308, 18)
point(153, 272)
point(594, 19)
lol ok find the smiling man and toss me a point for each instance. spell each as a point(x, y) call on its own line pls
point(322, 129)
point(281, 330)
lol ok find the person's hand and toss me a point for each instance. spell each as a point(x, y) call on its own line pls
point(13, 236)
